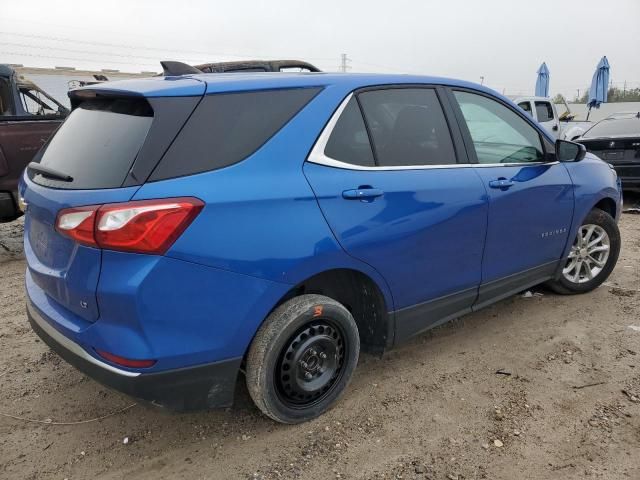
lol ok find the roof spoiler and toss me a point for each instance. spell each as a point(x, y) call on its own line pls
point(77, 96)
point(174, 69)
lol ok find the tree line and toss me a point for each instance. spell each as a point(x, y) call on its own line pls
point(615, 94)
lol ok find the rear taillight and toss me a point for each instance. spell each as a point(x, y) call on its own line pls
point(125, 362)
point(144, 226)
point(78, 223)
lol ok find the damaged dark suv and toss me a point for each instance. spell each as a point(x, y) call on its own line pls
point(28, 117)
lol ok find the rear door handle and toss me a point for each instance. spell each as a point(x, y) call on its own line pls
point(501, 183)
point(365, 194)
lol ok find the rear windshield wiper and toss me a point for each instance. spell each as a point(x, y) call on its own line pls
point(49, 172)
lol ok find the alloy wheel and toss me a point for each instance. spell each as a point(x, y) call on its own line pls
point(588, 255)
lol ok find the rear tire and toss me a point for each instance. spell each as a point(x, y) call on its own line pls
point(592, 257)
point(302, 358)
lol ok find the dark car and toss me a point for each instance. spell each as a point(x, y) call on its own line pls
point(28, 117)
point(616, 140)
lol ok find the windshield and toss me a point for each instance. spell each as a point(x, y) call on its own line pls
point(621, 127)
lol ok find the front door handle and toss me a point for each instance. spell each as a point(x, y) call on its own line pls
point(362, 193)
point(501, 183)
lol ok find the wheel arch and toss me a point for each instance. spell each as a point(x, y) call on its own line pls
point(608, 205)
point(605, 202)
point(361, 295)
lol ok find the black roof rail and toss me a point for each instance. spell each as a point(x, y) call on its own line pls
point(173, 69)
point(255, 65)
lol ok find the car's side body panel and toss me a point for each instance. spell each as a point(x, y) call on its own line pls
point(401, 233)
point(528, 222)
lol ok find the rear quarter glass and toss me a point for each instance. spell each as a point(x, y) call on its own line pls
point(97, 144)
point(227, 128)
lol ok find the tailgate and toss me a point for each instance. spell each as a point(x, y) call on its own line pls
point(66, 271)
point(102, 153)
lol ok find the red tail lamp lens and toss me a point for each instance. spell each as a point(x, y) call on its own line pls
point(145, 226)
point(126, 362)
point(78, 224)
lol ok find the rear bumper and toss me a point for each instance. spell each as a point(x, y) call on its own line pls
point(203, 386)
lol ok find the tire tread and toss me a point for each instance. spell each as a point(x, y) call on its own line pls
point(265, 342)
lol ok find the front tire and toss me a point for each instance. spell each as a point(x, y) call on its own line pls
point(592, 257)
point(302, 358)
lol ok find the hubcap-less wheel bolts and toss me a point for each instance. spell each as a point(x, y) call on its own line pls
point(311, 363)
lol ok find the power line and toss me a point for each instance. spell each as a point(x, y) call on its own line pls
point(140, 47)
point(92, 60)
point(72, 50)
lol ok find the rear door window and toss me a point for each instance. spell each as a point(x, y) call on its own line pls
point(349, 141)
point(544, 112)
point(97, 144)
point(408, 127)
point(228, 127)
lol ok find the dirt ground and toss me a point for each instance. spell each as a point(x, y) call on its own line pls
point(565, 405)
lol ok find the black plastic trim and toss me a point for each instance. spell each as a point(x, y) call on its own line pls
point(505, 287)
point(192, 388)
point(416, 319)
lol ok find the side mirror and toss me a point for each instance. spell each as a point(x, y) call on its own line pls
point(567, 151)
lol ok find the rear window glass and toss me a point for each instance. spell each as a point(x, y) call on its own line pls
point(615, 127)
point(227, 128)
point(97, 144)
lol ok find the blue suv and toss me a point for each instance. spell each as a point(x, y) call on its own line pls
point(182, 229)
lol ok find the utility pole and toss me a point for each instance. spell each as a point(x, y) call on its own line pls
point(578, 97)
point(344, 60)
point(624, 89)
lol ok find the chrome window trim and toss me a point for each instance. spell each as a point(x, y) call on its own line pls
point(318, 156)
point(72, 346)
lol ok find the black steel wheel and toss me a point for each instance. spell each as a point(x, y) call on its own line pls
point(302, 358)
point(311, 364)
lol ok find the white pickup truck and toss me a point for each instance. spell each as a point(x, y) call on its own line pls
point(543, 110)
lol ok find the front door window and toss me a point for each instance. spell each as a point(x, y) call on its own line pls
point(499, 134)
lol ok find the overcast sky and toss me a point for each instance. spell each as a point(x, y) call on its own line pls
point(504, 41)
